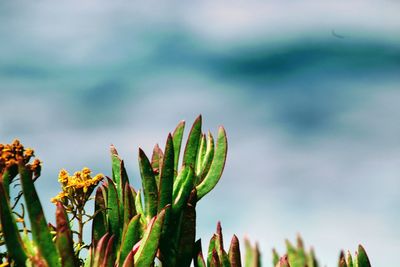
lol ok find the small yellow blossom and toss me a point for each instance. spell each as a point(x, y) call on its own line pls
point(60, 197)
point(11, 154)
point(78, 186)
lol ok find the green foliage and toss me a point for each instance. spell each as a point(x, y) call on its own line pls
point(295, 256)
point(153, 226)
point(360, 259)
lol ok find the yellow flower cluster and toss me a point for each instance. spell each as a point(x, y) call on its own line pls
point(11, 154)
point(78, 185)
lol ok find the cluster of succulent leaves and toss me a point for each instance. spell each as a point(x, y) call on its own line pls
point(154, 226)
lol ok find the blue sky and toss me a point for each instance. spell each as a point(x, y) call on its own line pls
point(312, 118)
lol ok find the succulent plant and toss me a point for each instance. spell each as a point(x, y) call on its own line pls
point(295, 256)
point(359, 260)
point(152, 226)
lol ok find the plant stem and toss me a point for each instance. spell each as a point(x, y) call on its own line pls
point(80, 227)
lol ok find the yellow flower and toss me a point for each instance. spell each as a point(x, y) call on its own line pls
point(59, 197)
point(11, 154)
point(78, 185)
point(63, 176)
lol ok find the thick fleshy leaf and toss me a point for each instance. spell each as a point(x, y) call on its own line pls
point(214, 259)
point(198, 258)
point(109, 254)
point(130, 238)
point(129, 205)
point(192, 144)
point(211, 248)
point(252, 254)
point(40, 232)
point(349, 259)
point(150, 191)
point(177, 140)
point(12, 238)
point(300, 253)
point(217, 166)
point(99, 223)
point(257, 256)
point(219, 247)
point(206, 159)
point(181, 195)
point(139, 208)
point(114, 218)
point(275, 257)
point(156, 162)
point(312, 261)
point(362, 257)
point(129, 260)
point(7, 176)
point(187, 233)
point(64, 241)
point(283, 262)
point(100, 250)
point(166, 175)
point(119, 176)
point(200, 153)
point(342, 260)
point(146, 253)
point(234, 252)
point(179, 180)
point(295, 255)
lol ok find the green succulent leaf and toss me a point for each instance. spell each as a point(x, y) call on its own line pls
point(146, 253)
point(130, 238)
point(129, 205)
point(275, 257)
point(40, 232)
point(139, 209)
point(129, 260)
point(349, 259)
point(100, 251)
point(217, 166)
point(64, 241)
point(342, 260)
point(167, 175)
point(114, 218)
point(206, 160)
point(362, 258)
point(198, 258)
point(181, 194)
point(192, 144)
point(177, 136)
point(156, 162)
point(214, 259)
point(201, 153)
point(187, 232)
point(119, 176)
point(211, 249)
point(219, 247)
point(150, 191)
point(12, 238)
point(99, 223)
point(109, 254)
point(234, 252)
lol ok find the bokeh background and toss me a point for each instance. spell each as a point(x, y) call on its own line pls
point(308, 92)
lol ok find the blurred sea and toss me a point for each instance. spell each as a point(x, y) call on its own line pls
point(307, 91)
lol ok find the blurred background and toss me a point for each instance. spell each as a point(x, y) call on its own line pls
point(308, 92)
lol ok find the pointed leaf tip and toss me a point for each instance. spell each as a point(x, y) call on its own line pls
point(113, 150)
point(362, 257)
